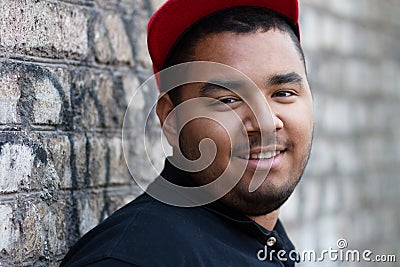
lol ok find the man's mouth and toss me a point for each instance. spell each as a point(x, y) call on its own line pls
point(262, 156)
point(263, 161)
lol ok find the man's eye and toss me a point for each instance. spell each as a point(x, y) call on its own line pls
point(283, 94)
point(228, 100)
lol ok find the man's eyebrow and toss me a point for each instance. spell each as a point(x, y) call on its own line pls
point(233, 85)
point(218, 85)
point(286, 78)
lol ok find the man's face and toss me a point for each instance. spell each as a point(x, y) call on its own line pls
point(278, 137)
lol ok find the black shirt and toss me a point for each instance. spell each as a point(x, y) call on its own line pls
point(147, 232)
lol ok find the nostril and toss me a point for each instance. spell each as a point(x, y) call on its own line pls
point(278, 123)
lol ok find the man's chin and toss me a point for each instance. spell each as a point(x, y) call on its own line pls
point(259, 202)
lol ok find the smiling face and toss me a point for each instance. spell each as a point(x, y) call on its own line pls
point(276, 122)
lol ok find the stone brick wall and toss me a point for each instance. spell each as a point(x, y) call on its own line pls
point(69, 67)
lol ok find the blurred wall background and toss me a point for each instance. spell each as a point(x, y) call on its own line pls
point(351, 188)
point(69, 67)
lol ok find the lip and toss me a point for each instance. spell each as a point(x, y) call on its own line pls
point(264, 164)
point(257, 150)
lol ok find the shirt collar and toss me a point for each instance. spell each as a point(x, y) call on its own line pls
point(182, 178)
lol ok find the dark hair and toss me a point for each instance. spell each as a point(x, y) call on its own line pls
point(241, 20)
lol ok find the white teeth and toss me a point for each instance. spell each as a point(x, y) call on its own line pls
point(266, 155)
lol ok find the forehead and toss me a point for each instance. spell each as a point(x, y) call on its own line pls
point(273, 50)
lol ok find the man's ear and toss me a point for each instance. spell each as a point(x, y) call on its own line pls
point(167, 115)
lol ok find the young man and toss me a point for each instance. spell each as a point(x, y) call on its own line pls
point(250, 101)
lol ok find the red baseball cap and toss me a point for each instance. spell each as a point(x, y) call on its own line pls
point(174, 17)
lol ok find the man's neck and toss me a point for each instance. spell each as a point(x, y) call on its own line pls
point(267, 221)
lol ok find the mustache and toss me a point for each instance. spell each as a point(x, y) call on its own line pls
point(261, 142)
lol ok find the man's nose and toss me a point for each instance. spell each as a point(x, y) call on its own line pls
point(261, 119)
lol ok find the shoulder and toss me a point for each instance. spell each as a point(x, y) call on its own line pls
point(141, 233)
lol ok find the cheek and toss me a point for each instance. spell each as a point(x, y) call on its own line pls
point(199, 129)
point(215, 149)
point(299, 125)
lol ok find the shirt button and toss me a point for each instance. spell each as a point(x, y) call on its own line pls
point(271, 241)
